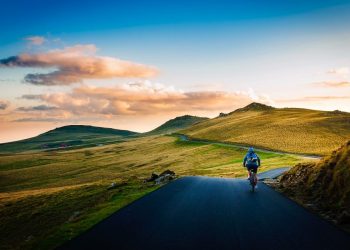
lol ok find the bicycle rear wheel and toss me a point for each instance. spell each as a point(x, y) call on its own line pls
point(252, 181)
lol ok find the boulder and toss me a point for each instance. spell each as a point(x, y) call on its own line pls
point(153, 177)
point(167, 172)
point(166, 176)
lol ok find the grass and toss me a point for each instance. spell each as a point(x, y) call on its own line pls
point(176, 124)
point(67, 137)
point(82, 136)
point(47, 198)
point(288, 129)
point(44, 220)
point(323, 186)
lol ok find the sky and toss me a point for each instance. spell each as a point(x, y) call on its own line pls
point(135, 64)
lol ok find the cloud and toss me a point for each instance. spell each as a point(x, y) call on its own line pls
point(31, 97)
point(343, 71)
point(333, 84)
point(75, 64)
point(144, 98)
point(320, 98)
point(4, 104)
point(35, 40)
point(37, 108)
point(340, 78)
point(7, 80)
point(37, 119)
point(315, 98)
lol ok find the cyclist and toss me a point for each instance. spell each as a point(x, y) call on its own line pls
point(252, 162)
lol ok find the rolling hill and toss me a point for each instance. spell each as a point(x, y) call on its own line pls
point(177, 124)
point(82, 135)
point(67, 136)
point(55, 196)
point(284, 129)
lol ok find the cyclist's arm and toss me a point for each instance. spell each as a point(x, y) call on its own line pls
point(259, 163)
point(244, 161)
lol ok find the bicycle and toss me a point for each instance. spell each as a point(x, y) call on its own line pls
point(252, 179)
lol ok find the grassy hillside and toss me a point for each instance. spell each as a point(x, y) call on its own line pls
point(177, 124)
point(54, 196)
point(286, 129)
point(83, 136)
point(67, 136)
point(324, 185)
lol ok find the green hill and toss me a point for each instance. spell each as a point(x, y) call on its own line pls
point(67, 136)
point(284, 129)
point(323, 185)
point(47, 198)
point(177, 124)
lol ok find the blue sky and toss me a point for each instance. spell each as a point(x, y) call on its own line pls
point(23, 17)
point(285, 53)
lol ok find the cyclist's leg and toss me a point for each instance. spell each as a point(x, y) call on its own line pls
point(256, 178)
point(255, 170)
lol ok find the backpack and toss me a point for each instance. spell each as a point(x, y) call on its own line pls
point(252, 159)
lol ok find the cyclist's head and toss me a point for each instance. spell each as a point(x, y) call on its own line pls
point(251, 150)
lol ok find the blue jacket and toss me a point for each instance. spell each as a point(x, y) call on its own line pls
point(248, 163)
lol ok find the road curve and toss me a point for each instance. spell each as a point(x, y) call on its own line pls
point(212, 213)
point(185, 138)
point(273, 173)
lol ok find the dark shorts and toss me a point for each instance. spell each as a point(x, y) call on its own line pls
point(254, 169)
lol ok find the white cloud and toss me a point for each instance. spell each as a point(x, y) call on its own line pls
point(342, 71)
point(333, 84)
point(145, 98)
point(75, 64)
point(36, 40)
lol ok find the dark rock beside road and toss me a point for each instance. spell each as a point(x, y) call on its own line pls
point(165, 176)
point(153, 177)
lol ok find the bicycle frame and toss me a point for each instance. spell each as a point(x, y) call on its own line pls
point(252, 179)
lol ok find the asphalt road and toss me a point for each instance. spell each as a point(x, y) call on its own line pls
point(212, 213)
point(273, 173)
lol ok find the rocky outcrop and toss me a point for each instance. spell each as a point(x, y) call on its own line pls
point(322, 186)
point(164, 177)
point(153, 177)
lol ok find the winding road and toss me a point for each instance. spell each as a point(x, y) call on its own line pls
point(212, 213)
point(185, 138)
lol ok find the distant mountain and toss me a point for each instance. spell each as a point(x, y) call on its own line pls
point(177, 124)
point(67, 136)
point(90, 130)
point(254, 106)
point(283, 129)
